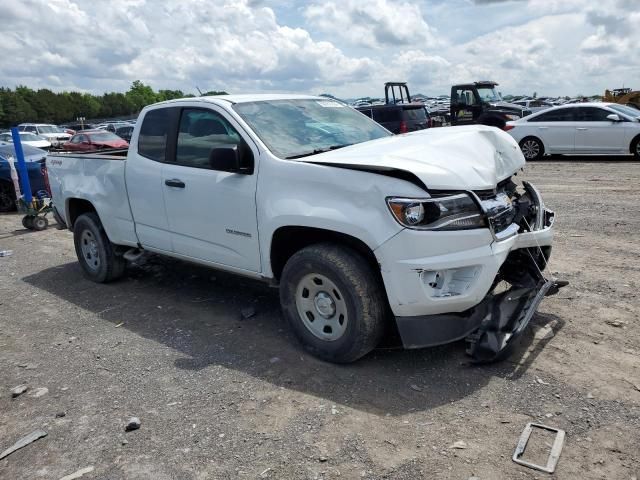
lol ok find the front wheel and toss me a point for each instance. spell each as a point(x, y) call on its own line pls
point(532, 148)
point(635, 148)
point(333, 301)
point(40, 223)
point(94, 250)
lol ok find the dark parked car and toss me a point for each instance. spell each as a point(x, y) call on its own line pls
point(399, 118)
point(125, 132)
point(34, 158)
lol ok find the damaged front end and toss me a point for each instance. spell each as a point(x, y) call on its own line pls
point(518, 290)
point(520, 286)
point(521, 228)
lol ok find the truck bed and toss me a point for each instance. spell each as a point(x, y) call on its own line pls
point(99, 179)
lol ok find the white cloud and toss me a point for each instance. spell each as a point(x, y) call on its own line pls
point(374, 23)
point(348, 47)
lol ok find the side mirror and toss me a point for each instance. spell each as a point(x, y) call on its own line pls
point(614, 117)
point(225, 158)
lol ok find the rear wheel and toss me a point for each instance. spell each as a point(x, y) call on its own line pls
point(333, 301)
point(27, 222)
point(532, 148)
point(95, 252)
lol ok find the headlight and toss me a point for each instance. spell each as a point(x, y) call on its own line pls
point(511, 116)
point(451, 212)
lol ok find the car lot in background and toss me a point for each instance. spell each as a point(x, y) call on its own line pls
point(27, 138)
point(52, 133)
point(581, 129)
point(112, 126)
point(125, 132)
point(77, 127)
point(533, 105)
point(94, 140)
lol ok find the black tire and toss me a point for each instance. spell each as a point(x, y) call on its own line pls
point(98, 259)
point(7, 197)
point(532, 148)
point(27, 222)
point(635, 148)
point(361, 297)
point(40, 223)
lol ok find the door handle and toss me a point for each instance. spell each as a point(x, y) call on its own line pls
point(543, 128)
point(174, 182)
point(582, 128)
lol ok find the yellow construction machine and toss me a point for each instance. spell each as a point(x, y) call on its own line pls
point(623, 96)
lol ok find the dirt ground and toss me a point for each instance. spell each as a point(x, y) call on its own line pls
point(222, 397)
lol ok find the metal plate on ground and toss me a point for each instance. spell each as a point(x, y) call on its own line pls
point(554, 455)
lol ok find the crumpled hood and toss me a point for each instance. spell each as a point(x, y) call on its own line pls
point(473, 157)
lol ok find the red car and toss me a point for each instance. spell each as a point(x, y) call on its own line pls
point(96, 140)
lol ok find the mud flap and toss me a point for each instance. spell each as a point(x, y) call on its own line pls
point(507, 316)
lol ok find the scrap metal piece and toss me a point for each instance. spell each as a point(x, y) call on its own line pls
point(554, 455)
point(23, 442)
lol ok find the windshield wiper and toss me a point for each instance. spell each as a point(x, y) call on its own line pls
point(317, 150)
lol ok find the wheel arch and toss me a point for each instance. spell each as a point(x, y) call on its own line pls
point(288, 240)
point(76, 207)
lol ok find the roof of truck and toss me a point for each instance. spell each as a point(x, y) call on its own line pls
point(250, 97)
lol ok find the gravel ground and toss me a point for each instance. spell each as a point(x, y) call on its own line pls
point(219, 396)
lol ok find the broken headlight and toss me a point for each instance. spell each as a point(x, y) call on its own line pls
point(451, 212)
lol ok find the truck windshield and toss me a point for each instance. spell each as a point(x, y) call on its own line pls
point(489, 94)
point(299, 127)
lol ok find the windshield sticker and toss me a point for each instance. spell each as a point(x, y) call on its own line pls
point(329, 104)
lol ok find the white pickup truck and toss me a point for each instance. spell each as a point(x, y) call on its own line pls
point(366, 234)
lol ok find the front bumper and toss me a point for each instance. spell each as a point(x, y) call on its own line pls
point(440, 284)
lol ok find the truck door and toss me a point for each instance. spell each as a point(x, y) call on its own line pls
point(465, 106)
point(211, 213)
point(145, 185)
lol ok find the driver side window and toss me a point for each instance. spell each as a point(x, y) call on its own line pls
point(202, 130)
point(466, 97)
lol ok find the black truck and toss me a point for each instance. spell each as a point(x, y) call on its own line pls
point(480, 102)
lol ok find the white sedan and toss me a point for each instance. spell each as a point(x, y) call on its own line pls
point(27, 138)
point(583, 128)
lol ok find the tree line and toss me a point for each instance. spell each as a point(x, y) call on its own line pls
point(24, 104)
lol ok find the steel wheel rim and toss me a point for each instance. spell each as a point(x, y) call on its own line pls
point(321, 307)
point(89, 248)
point(530, 149)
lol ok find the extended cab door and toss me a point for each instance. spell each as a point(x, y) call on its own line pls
point(145, 183)
point(211, 213)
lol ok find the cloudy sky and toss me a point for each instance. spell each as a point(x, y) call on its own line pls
point(345, 47)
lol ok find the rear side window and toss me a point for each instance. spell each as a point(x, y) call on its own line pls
point(415, 114)
point(561, 115)
point(152, 141)
point(387, 115)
